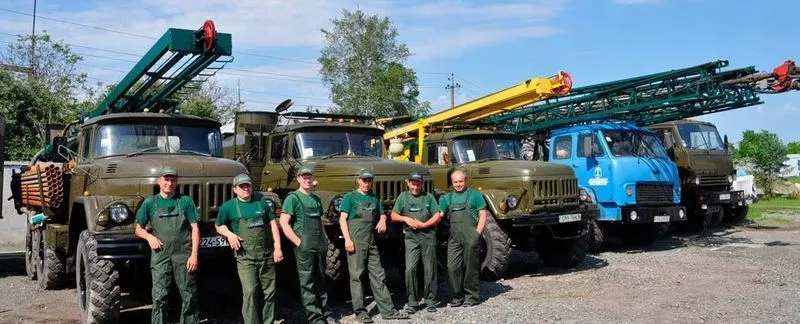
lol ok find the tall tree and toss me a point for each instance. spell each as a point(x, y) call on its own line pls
point(362, 64)
point(211, 100)
point(767, 154)
point(794, 147)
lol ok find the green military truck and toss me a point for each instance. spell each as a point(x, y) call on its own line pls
point(535, 205)
point(706, 170)
point(81, 192)
point(274, 145)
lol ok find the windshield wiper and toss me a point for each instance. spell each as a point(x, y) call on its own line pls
point(144, 150)
point(494, 158)
point(345, 154)
point(332, 155)
point(194, 152)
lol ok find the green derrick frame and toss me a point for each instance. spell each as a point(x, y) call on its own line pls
point(644, 100)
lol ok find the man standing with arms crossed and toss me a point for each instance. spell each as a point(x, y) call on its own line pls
point(360, 211)
point(467, 213)
point(174, 243)
point(248, 222)
point(420, 213)
point(302, 224)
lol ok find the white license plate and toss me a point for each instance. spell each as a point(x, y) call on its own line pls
point(661, 219)
point(749, 201)
point(725, 197)
point(213, 241)
point(569, 218)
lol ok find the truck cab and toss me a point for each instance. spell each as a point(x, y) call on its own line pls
point(627, 173)
point(706, 171)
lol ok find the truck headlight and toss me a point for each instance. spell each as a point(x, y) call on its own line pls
point(697, 181)
point(511, 201)
point(118, 212)
point(730, 179)
point(584, 195)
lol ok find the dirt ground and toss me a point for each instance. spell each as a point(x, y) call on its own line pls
point(729, 275)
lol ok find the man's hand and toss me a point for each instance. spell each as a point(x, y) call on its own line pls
point(413, 223)
point(277, 256)
point(381, 227)
point(349, 246)
point(299, 241)
point(234, 240)
point(191, 264)
point(154, 242)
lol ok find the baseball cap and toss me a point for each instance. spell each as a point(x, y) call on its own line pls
point(365, 174)
point(167, 170)
point(242, 179)
point(415, 176)
point(305, 170)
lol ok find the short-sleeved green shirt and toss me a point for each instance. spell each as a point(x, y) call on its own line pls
point(292, 206)
point(351, 200)
point(405, 196)
point(475, 198)
point(257, 207)
point(147, 209)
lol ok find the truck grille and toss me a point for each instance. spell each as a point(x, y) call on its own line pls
point(216, 195)
point(387, 191)
point(653, 193)
point(714, 180)
point(548, 192)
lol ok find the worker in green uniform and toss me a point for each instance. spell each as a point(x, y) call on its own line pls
point(248, 222)
point(174, 243)
point(302, 225)
point(361, 215)
point(420, 213)
point(467, 213)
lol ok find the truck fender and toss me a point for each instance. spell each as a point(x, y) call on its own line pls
point(493, 199)
point(591, 193)
point(96, 208)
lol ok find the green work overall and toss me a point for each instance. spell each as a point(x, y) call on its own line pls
point(310, 256)
point(361, 227)
point(256, 267)
point(171, 226)
point(462, 251)
point(420, 245)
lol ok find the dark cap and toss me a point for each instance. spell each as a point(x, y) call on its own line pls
point(167, 170)
point(305, 170)
point(365, 174)
point(415, 176)
point(242, 179)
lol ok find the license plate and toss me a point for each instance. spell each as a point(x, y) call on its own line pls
point(569, 218)
point(749, 201)
point(213, 241)
point(725, 197)
point(661, 219)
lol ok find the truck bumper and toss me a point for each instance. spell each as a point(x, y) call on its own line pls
point(555, 221)
point(725, 199)
point(653, 214)
point(129, 247)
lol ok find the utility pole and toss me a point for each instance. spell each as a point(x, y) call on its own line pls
point(33, 41)
point(452, 87)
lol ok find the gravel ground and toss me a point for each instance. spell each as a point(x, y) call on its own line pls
point(734, 275)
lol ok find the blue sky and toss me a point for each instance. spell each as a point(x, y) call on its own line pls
point(488, 45)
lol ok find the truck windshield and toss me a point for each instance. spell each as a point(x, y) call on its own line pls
point(132, 138)
point(700, 136)
point(477, 149)
point(627, 143)
point(327, 144)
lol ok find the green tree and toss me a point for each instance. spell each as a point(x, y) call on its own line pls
point(793, 147)
point(211, 100)
point(362, 64)
point(51, 93)
point(767, 154)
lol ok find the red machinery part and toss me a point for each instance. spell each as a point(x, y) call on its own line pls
point(781, 74)
point(567, 79)
point(209, 35)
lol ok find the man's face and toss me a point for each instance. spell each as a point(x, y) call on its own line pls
point(167, 183)
point(364, 184)
point(459, 181)
point(243, 191)
point(415, 186)
point(306, 181)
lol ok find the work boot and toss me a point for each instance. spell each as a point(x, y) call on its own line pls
point(395, 315)
point(410, 309)
point(364, 318)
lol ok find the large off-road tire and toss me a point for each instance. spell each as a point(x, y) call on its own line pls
point(30, 259)
point(50, 270)
point(97, 284)
point(737, 215)
point(596, 237)
point(699, 220)
point(495, 251)
point(336, 272)
point(643, 234)
point(564, 253)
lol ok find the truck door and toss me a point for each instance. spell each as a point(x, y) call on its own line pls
point(273, 173)
point(437, 159)
point(592, 166)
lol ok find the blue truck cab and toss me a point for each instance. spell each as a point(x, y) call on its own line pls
point(625, 170)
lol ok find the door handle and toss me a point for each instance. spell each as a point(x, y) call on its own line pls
point(574, 165)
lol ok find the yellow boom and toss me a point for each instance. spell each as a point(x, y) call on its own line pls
point(511, 98)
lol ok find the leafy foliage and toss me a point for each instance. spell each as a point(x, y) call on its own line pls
point(211, 100)
point(362, 63)
point(767, 153)
point(793, 147)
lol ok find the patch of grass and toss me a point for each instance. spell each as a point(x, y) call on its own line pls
point(778, 205)
point(793, 179)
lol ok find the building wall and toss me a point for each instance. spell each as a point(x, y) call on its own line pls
point(12, 225)
point(794, 165)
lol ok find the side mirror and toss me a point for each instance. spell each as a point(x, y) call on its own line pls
point(725, 142)
point(669, 141)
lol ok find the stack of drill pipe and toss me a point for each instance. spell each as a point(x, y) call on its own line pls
point(42, 185)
